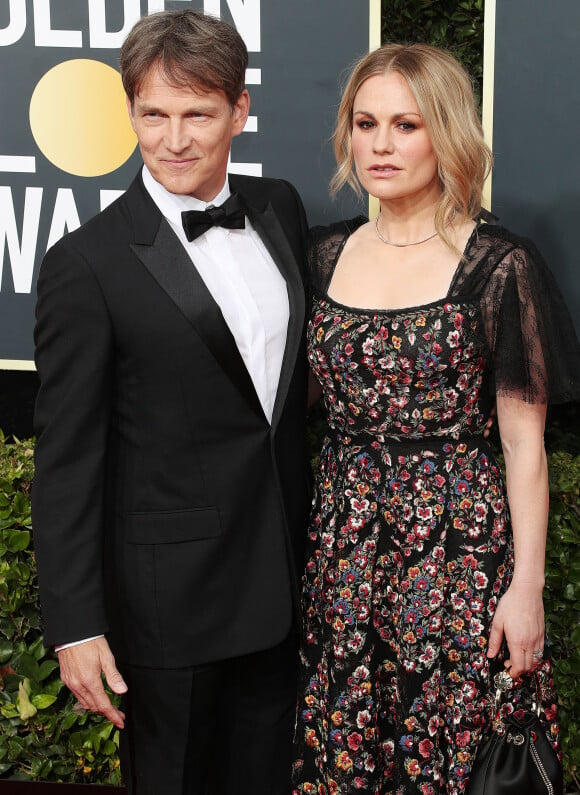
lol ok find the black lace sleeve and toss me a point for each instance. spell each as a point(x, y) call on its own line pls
point(535, 351)
point(324, 247)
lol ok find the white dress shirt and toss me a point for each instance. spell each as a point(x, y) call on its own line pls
point(245, 283)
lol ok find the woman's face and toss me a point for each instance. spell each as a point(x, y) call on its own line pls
point(392, 151)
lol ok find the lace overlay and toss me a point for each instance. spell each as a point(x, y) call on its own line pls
point(533, 349)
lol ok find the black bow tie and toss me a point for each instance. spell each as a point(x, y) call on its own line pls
point(230, 214)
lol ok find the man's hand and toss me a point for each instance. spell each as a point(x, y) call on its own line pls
point(81, 667)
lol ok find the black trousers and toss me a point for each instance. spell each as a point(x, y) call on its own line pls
point(223, 728)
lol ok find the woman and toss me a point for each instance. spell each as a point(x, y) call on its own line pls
point(417, 571)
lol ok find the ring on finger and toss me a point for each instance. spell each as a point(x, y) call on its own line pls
point(538, 654)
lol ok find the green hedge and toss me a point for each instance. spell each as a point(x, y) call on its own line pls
point(44, 736)
point(562, 600)
point(455, 26)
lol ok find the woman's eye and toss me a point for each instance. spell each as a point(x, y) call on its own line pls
point(406, 126)
point(365, 124)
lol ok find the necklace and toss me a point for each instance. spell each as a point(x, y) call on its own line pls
point(401, 245)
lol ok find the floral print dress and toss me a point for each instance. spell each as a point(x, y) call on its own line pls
point(410, 545)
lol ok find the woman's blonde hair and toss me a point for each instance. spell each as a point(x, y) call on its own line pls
point(444, 94)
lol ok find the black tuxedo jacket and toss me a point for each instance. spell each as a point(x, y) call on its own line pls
point(167, 511)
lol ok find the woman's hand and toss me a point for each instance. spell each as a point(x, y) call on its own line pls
point(490, 421)
point(520, 619)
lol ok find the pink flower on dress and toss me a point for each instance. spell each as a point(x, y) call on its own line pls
point(425, 748)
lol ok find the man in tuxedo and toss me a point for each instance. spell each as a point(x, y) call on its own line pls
point(171, 490)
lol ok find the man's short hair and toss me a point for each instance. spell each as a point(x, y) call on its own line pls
point(192, 49)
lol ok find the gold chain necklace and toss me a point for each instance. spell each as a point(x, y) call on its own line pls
point(401, 245)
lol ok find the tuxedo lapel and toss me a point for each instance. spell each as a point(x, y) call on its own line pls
point(169, 264)
point(266, 223)
point(162, 254)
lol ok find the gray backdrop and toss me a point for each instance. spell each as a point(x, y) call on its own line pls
point(304, 50)
point(536, 135)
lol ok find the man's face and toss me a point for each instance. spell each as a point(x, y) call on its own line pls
point(185, 135)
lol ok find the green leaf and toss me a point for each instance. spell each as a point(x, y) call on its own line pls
point(6, 650)
point(26, 710)
point(69, 721)
point(22, 570)
point(18, 540)
point(46, 668)
point(52, 686)
point(36, 648)
point(76, 740)
point(40, 768)
point(9, 711)
point(27, 666)
point(21, 503)
point(109, 748)
point(43, 700)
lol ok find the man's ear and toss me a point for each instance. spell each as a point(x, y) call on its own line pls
point(130, 112)
point(240, 112)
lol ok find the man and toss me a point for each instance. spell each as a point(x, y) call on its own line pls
point(171, 495)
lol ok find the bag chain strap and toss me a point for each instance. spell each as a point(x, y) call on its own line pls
point(504, 683)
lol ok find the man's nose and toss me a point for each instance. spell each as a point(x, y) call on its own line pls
point(176, 136)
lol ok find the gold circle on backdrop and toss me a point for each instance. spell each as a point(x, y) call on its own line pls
point(79, 119)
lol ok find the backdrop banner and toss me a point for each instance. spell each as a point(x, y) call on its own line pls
point(67, 149)
point(536, 128)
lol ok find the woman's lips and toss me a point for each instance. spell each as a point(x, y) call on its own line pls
point(378, 170)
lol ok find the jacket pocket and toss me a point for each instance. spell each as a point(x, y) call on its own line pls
point(171, 527)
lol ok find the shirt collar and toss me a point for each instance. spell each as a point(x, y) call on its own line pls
point(172, 205)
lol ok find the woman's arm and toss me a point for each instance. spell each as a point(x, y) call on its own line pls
point(520, 612)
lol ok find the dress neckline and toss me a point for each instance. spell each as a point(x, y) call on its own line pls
point(403, 309)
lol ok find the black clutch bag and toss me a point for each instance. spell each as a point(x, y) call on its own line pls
point(517, 758)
